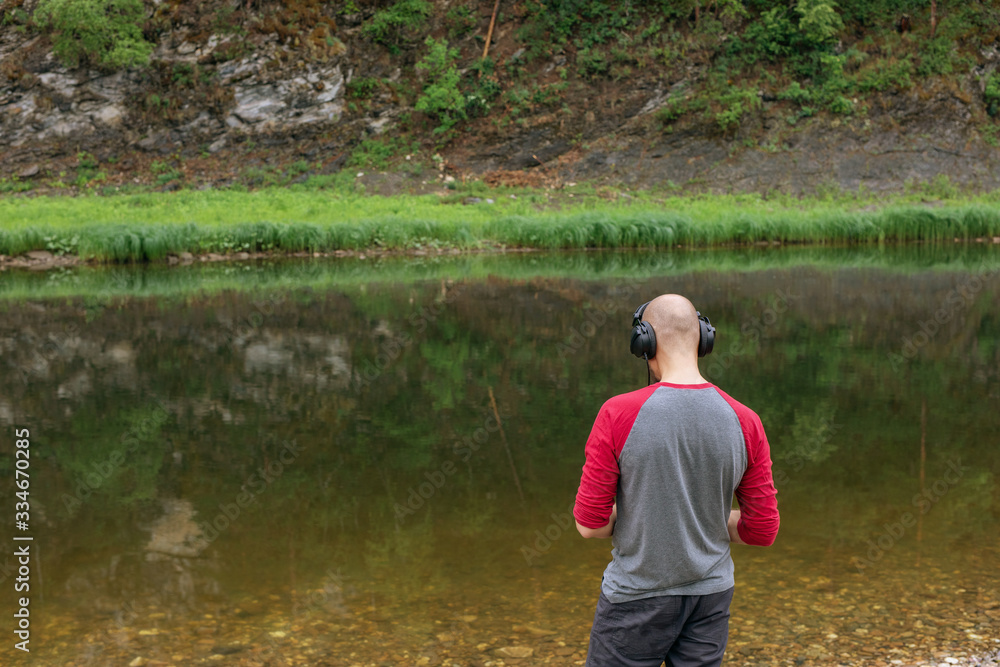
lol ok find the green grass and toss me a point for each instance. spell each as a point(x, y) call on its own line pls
point(149, 226)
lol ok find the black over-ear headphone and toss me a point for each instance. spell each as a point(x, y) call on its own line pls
point(643, 343)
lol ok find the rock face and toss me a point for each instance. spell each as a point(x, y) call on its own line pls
point(54, 103)
point(209, 91)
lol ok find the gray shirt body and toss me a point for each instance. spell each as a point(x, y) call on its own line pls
point(679, 467)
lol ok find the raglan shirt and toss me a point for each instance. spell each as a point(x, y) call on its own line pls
point(673, 456)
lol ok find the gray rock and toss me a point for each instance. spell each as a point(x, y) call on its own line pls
point(28, 172)
point(70, 127)
point(217, 145)
point(150, 142)
point(110, 115)
point(332, 87)
point(59, 83)
point(257, 104)
point(325, 113)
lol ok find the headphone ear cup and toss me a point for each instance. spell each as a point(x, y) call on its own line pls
point(643, 342)
point(706, 339)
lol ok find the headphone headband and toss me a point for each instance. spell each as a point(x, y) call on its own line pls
point(637, 315)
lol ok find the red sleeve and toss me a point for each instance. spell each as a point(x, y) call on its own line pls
point(755, 493)
point(599, 482)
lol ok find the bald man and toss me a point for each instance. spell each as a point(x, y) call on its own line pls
point(662, 467)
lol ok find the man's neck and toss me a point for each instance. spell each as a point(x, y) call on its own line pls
point(678, 373)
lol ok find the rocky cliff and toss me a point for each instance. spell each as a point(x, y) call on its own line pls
point(231, 87)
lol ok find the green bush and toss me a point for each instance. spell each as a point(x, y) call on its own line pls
point(735, 102)
point(936, 57)
point(484, 84)
point(589, 22)
point(376, 153)
point(886, 76)
point(592, 62)
point(387, 26)
point(362, 87)
point(479, 101)
point(460, 21)
point(819, 21)
point(441, 97)
point(840, 105)
point(796, 93)
point(771, 37)
point(992, 95)
point(104, 33)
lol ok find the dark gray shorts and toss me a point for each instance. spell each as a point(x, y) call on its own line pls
point(679, 630)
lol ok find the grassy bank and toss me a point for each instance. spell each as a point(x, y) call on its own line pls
point(148, 227)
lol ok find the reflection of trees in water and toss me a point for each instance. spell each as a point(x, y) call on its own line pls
point(232, 399)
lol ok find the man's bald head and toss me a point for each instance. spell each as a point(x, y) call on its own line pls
point(675, 323)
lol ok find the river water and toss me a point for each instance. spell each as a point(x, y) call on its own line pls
point(372, 462)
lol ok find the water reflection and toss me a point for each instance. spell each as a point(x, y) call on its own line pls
point(284, 475)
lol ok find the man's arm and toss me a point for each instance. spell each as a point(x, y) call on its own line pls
point(603, 531)
point(733, 526)
point(757, 520)
point(594, 509)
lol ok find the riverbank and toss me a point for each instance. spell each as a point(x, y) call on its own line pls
point(754, 98)
point(180, 226)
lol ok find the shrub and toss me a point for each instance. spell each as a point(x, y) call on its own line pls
point(886, 76)
point(992, 95)
point(478, 102)
point(819, 21)
point(387, 26)
point(796, 93)
point(771, 37)
point(552, 23)
point(105, 33)
point(735, 102)
point(485, 87)
point(592, 62)
point(441, 97)
point(376, 153)
point(362, 87)
point(460, 21)
point(936, 57)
